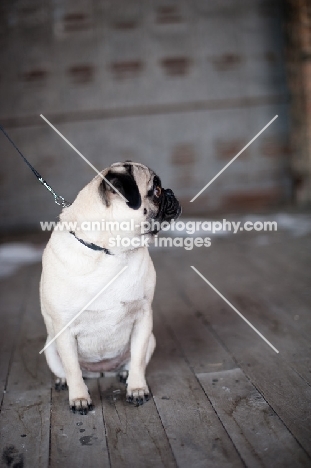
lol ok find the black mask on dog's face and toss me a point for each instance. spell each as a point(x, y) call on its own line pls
point(165, 200)
point(169, 207)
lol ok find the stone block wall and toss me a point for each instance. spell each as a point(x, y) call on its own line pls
point(181, 86)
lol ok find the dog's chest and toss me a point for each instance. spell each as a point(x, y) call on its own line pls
point(111, 319)
point(120, 304)
point(123, 292)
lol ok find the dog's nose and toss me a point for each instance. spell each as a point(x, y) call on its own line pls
point(169, 192)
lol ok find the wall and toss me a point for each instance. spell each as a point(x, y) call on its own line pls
point(180, 86)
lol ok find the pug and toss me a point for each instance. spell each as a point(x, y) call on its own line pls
point(114, 332)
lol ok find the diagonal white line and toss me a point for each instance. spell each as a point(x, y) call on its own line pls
point(83, 309)
point(233, 159)
point(83, 157)
point(235, 310)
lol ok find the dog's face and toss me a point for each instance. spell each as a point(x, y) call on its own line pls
point(147, 199)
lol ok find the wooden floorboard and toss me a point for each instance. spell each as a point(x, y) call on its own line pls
point(135, 434)
point(255, 285)
point(25, 413)
point(221, 397)
point(195, 433)
point(76, 440)
point(12, 304)
point(256, 430)
point(272, 374)
point(194, 332)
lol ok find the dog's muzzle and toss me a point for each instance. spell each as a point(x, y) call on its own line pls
point(169, 207)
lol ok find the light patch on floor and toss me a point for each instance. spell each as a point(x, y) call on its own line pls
point(14, 255)
point(296, 224)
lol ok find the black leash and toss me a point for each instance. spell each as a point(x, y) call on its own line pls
point(59, 200)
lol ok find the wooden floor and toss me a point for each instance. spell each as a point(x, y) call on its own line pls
point(221, 396)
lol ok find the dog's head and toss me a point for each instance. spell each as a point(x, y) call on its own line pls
point(119, 203)
point(146, 199)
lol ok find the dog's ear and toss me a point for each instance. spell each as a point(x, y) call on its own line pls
point(125, 184)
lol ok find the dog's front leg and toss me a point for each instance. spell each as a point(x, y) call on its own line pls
point(137, 389)
point(79, 398)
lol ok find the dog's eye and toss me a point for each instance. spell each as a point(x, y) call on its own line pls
point(157, 191)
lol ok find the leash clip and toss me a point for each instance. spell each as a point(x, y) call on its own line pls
point(59, 200)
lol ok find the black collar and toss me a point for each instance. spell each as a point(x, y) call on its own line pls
point(90, 245)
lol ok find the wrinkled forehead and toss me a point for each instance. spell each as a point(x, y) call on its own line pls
point(126, 165)
point(141, 173)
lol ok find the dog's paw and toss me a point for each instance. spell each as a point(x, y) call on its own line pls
point(122, 376)
point(81, 405)
point(137, 396)
point(79, 398)
point(60, 384)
